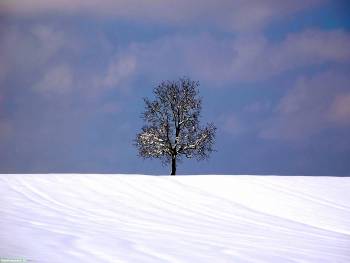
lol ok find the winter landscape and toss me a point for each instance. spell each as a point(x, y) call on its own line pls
point(106, 107)
point(206, 218)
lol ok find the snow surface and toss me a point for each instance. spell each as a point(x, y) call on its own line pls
point(136, 218)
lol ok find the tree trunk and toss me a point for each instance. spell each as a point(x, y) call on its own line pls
point(173, 166)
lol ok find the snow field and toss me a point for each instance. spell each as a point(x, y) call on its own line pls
point(206, 218)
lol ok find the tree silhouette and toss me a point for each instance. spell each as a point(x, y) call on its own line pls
point(172, 128)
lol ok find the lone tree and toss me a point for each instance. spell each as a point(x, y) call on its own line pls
point(172, 127)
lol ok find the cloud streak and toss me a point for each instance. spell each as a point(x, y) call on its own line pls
point(58, 80)
point(245, 59)
point(313, 105)
point(227, 14)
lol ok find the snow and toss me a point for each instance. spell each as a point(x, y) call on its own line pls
point(208, 218)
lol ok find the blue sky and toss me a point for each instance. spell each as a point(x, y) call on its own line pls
point(274, 79)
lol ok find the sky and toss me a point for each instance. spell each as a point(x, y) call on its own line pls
point(274, 77)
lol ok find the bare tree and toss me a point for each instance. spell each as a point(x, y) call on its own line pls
point(172, 128)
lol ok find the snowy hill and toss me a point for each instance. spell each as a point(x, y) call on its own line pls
point(135, 218)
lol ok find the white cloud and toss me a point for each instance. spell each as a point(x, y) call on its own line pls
point(231, 124)
point(256, 58)
point(47, 59)
point(27, 50)
point(58, 80)
point(119, 70)
point(200, 56)
point(244, 58)
point(228, 14)
point(314, 104)
point(49, 40)
point(62, 79)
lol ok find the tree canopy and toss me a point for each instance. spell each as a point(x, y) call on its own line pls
point(172, 127)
